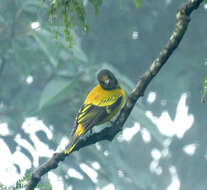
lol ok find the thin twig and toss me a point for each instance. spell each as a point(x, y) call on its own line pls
point(182, 21)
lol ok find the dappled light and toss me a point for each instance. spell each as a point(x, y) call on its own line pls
point(177, 126)
point(49, 59)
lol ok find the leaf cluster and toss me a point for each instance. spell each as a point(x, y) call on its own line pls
point(72, 14)
point(204, 91)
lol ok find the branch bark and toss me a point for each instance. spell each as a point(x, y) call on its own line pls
point(182, 21)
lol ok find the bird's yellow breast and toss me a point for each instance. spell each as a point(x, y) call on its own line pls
point(100, 97)
point(104, 98)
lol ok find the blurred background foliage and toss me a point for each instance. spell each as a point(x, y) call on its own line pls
point(40, 77)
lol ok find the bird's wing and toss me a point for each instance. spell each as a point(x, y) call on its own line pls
point(110, 101)
point(90, 115)
point(96, 110)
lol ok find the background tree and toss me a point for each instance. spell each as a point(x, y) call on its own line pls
point(42, 78)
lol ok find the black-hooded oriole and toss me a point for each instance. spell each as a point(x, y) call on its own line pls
point(102, 103)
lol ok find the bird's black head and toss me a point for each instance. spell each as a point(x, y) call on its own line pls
point(107, 80)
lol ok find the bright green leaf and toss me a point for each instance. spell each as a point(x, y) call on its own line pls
point(204, 91)
point(137, 3)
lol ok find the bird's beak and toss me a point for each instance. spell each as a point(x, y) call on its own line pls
point(106, 81)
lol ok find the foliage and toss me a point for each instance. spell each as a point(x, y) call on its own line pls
point(21, 183)
point(71, 13)
point(204, 91)
point(137, 3)
point(41, 77)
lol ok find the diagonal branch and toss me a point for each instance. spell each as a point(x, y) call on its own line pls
point(182, 21)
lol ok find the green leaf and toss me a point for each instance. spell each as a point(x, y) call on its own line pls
point(204, 91)
point(137, 3)
point(96, 4)
point(46, 43)
point(205, 1)
point(55, 92)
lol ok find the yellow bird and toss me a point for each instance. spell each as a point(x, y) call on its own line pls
point(102, 103)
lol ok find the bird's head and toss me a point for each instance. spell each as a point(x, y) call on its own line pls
point(107, 80)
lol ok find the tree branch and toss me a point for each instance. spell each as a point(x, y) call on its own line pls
point(182, 21)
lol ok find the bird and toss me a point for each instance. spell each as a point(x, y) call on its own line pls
point(101, 104)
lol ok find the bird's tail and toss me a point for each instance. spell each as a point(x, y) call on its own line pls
point(75, 138)
point(73, 143)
